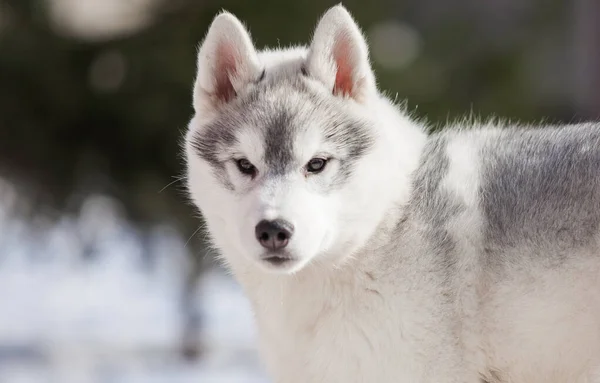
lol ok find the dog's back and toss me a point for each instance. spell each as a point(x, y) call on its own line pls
point(541, 188)
point(512, 216)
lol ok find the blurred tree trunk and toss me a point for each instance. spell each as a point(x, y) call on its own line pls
point(191, 342)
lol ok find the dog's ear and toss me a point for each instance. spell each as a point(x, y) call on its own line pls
point(227, 61)
point(339, 56)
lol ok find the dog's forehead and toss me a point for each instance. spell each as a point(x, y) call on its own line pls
point(283, 118)
point(296, 125)
point(279, 123)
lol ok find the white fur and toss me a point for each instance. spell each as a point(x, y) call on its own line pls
point(359, 307)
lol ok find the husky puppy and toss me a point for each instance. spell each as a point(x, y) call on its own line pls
point(374, 252)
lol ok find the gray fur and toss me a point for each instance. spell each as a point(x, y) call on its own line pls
point(211, 141)
point(278, 108)
point(278, 138)
point(431, 204)
point(541, 190)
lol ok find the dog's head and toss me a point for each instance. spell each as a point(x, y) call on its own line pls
point(284, 154)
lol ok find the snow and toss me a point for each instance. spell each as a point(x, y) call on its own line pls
point(113, 316)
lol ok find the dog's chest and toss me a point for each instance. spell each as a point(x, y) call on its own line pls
point(342, 331)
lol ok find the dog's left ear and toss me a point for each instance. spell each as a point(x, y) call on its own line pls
point(339, 56)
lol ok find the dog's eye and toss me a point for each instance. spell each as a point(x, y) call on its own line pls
point(246, 167)
point(316, 165)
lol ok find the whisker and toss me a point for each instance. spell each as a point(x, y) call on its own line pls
point(191, 236)
point(177, 179)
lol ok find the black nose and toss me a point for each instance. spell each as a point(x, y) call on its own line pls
point(274, 235)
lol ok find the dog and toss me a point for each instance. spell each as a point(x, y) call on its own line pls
point(374, 251)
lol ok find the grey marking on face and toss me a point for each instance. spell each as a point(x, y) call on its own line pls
point(353, 137)
point(541, 189)
point(279, 134)
point(212, 140)
point(278, 109)
point(298, 108)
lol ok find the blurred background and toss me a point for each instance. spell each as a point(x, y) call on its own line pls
point(104, 276)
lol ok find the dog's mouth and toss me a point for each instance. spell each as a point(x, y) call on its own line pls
point(277, 259)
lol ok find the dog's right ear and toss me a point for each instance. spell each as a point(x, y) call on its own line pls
point(227, 61)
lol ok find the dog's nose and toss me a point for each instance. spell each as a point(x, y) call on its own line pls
point(274, 235)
